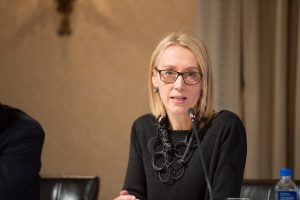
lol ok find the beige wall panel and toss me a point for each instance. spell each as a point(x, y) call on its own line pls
point(85, 89)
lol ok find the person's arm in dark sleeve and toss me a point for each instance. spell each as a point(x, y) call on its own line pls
point(135, 180)
point(229, 173)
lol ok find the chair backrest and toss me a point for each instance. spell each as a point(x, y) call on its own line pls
point(69, 187)
point(260, 189)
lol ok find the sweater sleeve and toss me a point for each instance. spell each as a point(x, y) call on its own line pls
point(229, 172)
point(135, 180)
point(21, 146)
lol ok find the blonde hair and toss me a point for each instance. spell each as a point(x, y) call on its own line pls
point(197, 47)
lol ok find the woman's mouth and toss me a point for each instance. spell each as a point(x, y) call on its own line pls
point(178, 99)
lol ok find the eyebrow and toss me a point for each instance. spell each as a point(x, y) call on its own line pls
point(164, 67)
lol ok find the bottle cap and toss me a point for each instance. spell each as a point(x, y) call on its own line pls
point(285, 172)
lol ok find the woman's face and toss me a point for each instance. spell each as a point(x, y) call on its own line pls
point(177, 97)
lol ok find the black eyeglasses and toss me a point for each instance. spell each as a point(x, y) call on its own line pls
point(170, 76)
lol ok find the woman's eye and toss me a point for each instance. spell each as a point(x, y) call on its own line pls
point(170, 73)
point(192, 74)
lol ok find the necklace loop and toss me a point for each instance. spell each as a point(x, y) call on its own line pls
point(167, 159)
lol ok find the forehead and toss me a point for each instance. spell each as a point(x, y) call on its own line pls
point(177, 55)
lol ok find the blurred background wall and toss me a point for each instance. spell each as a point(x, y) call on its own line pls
point(87, 88)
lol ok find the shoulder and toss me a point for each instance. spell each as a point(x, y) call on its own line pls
point(144, 127)
point(226, 123)
point(17, 122)
point(226, 117)
point(145, 119)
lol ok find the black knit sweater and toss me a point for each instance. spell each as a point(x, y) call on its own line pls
point(224, 146)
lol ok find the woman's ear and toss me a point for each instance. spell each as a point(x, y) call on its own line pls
point(155, 78)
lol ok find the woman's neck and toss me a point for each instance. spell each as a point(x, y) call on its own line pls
point(180, 122)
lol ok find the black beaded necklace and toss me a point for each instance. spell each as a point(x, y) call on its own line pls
point(167, 159)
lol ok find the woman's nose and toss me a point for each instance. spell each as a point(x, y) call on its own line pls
point(179, 84)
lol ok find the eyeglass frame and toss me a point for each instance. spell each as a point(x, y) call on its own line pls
point(178, 74)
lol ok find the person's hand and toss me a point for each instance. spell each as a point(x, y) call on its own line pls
point(124, 195)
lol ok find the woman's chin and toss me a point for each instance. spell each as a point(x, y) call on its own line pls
point(177, 111)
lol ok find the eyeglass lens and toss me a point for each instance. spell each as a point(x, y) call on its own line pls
point(170, 76)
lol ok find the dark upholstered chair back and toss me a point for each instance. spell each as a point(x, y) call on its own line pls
point(69, 187)
point(259, 189)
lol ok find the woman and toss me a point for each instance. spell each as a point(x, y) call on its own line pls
point(163, 161)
